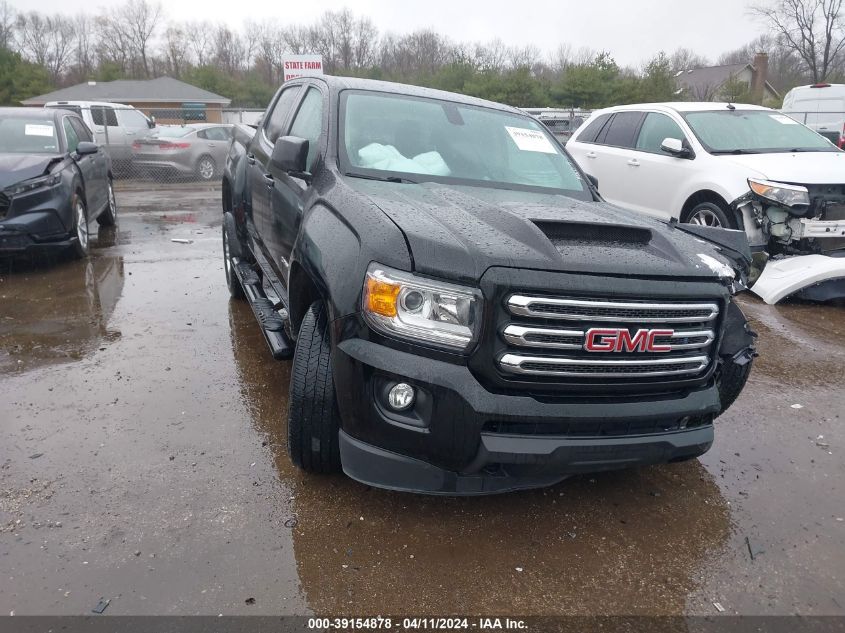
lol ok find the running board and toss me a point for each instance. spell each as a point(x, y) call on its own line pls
point(271, 323)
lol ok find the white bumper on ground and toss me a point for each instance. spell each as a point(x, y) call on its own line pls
point(784, 277)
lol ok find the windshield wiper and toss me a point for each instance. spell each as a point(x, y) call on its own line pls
point(735, 151)
point(382, 178)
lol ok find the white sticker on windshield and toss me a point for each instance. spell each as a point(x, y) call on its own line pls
point(32, 129)
point(530, 140)
point(781, 118)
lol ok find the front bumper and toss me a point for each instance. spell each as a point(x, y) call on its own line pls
point(461, 438)
point(37, 231)
point(559, 457)
point(41, 220)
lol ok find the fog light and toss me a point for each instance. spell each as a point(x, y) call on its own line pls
point(400, 397)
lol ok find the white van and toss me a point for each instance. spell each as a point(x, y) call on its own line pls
point(821, 107)
point(115, 125)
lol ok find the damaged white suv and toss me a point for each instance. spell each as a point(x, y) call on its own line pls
point(735, 166)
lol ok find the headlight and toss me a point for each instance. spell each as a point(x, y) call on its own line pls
point(35, 183)
point(400, 304)
point(781, 193)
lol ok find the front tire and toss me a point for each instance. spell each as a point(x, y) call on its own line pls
point(313, 418)
point(109, 216)
point(236, 291)
point(710, 214)
point(80, 226)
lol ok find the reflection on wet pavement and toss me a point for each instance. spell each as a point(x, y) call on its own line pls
point(144, 460)
point(58, 312)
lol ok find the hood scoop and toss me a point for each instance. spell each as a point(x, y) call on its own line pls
point(567, 234)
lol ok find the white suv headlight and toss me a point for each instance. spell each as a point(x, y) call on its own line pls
point(781, 193)
point(429, 311)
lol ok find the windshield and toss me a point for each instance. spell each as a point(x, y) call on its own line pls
point(417, 139)
point(754, 132)
point(20, 135)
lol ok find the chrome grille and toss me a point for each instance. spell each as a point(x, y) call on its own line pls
point(537, 346)
point(627, 311)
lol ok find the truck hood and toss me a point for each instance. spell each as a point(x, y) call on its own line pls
point(461, 231)
point(15, 168)
point(810, 168)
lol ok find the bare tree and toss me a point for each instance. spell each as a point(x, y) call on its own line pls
point(83, 53)
point(200, 41)
point(813, 29)
point(7, 24)
point(230, 51)
point(140, 19)
point(46, 40)
point(113, 43)
point(365, 42)
point(177, 55)
point(686, 59)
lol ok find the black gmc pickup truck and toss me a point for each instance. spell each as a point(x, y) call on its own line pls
point(464, 313)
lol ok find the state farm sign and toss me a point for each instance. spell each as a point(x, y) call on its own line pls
point(302, 66)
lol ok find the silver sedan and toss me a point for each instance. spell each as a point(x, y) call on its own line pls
point(187, 150)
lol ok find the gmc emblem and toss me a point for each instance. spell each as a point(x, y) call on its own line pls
point(621, 340)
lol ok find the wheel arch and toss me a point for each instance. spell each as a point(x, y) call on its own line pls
point(708, 195)
point(303, 291)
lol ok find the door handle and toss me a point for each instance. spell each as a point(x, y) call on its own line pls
point(269, 180)
point(591, 154)
point(634, 162)
point(250, 158)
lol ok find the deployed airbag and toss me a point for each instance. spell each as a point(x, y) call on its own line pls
point(388, 158)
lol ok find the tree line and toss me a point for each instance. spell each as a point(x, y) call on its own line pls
point(136, 40)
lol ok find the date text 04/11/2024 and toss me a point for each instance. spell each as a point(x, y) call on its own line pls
point(424, 623)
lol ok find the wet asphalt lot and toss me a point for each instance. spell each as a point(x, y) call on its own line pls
point(142, 460)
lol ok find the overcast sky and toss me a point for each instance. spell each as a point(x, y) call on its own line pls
point(632, 30)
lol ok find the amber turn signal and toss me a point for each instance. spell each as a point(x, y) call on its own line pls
point(381, 297)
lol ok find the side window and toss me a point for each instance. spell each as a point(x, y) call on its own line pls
point(103, 115)
point(216, 134)
point(308, 123)
point(70, 135)
point(621, 130)
point(274, 122)
point(81, 129)
point(202, 134)
point(592, 130)
point(655, 129)
point(132, 119)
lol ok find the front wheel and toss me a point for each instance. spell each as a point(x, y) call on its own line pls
point(313, 419)
point(236, 291)
point(710, 214)
point(80, 221)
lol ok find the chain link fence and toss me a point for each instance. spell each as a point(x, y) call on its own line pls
point(161, 145)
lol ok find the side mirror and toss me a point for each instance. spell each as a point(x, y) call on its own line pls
point(86, 147)
point(675, 147)
point(594, 181)
point(151, 122)
point(290, 154)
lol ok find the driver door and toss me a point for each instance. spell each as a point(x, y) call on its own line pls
point(288, 193)
point(94, 183)
point(258, 159)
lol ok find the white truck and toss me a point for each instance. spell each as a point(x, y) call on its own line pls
point(115, 126)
